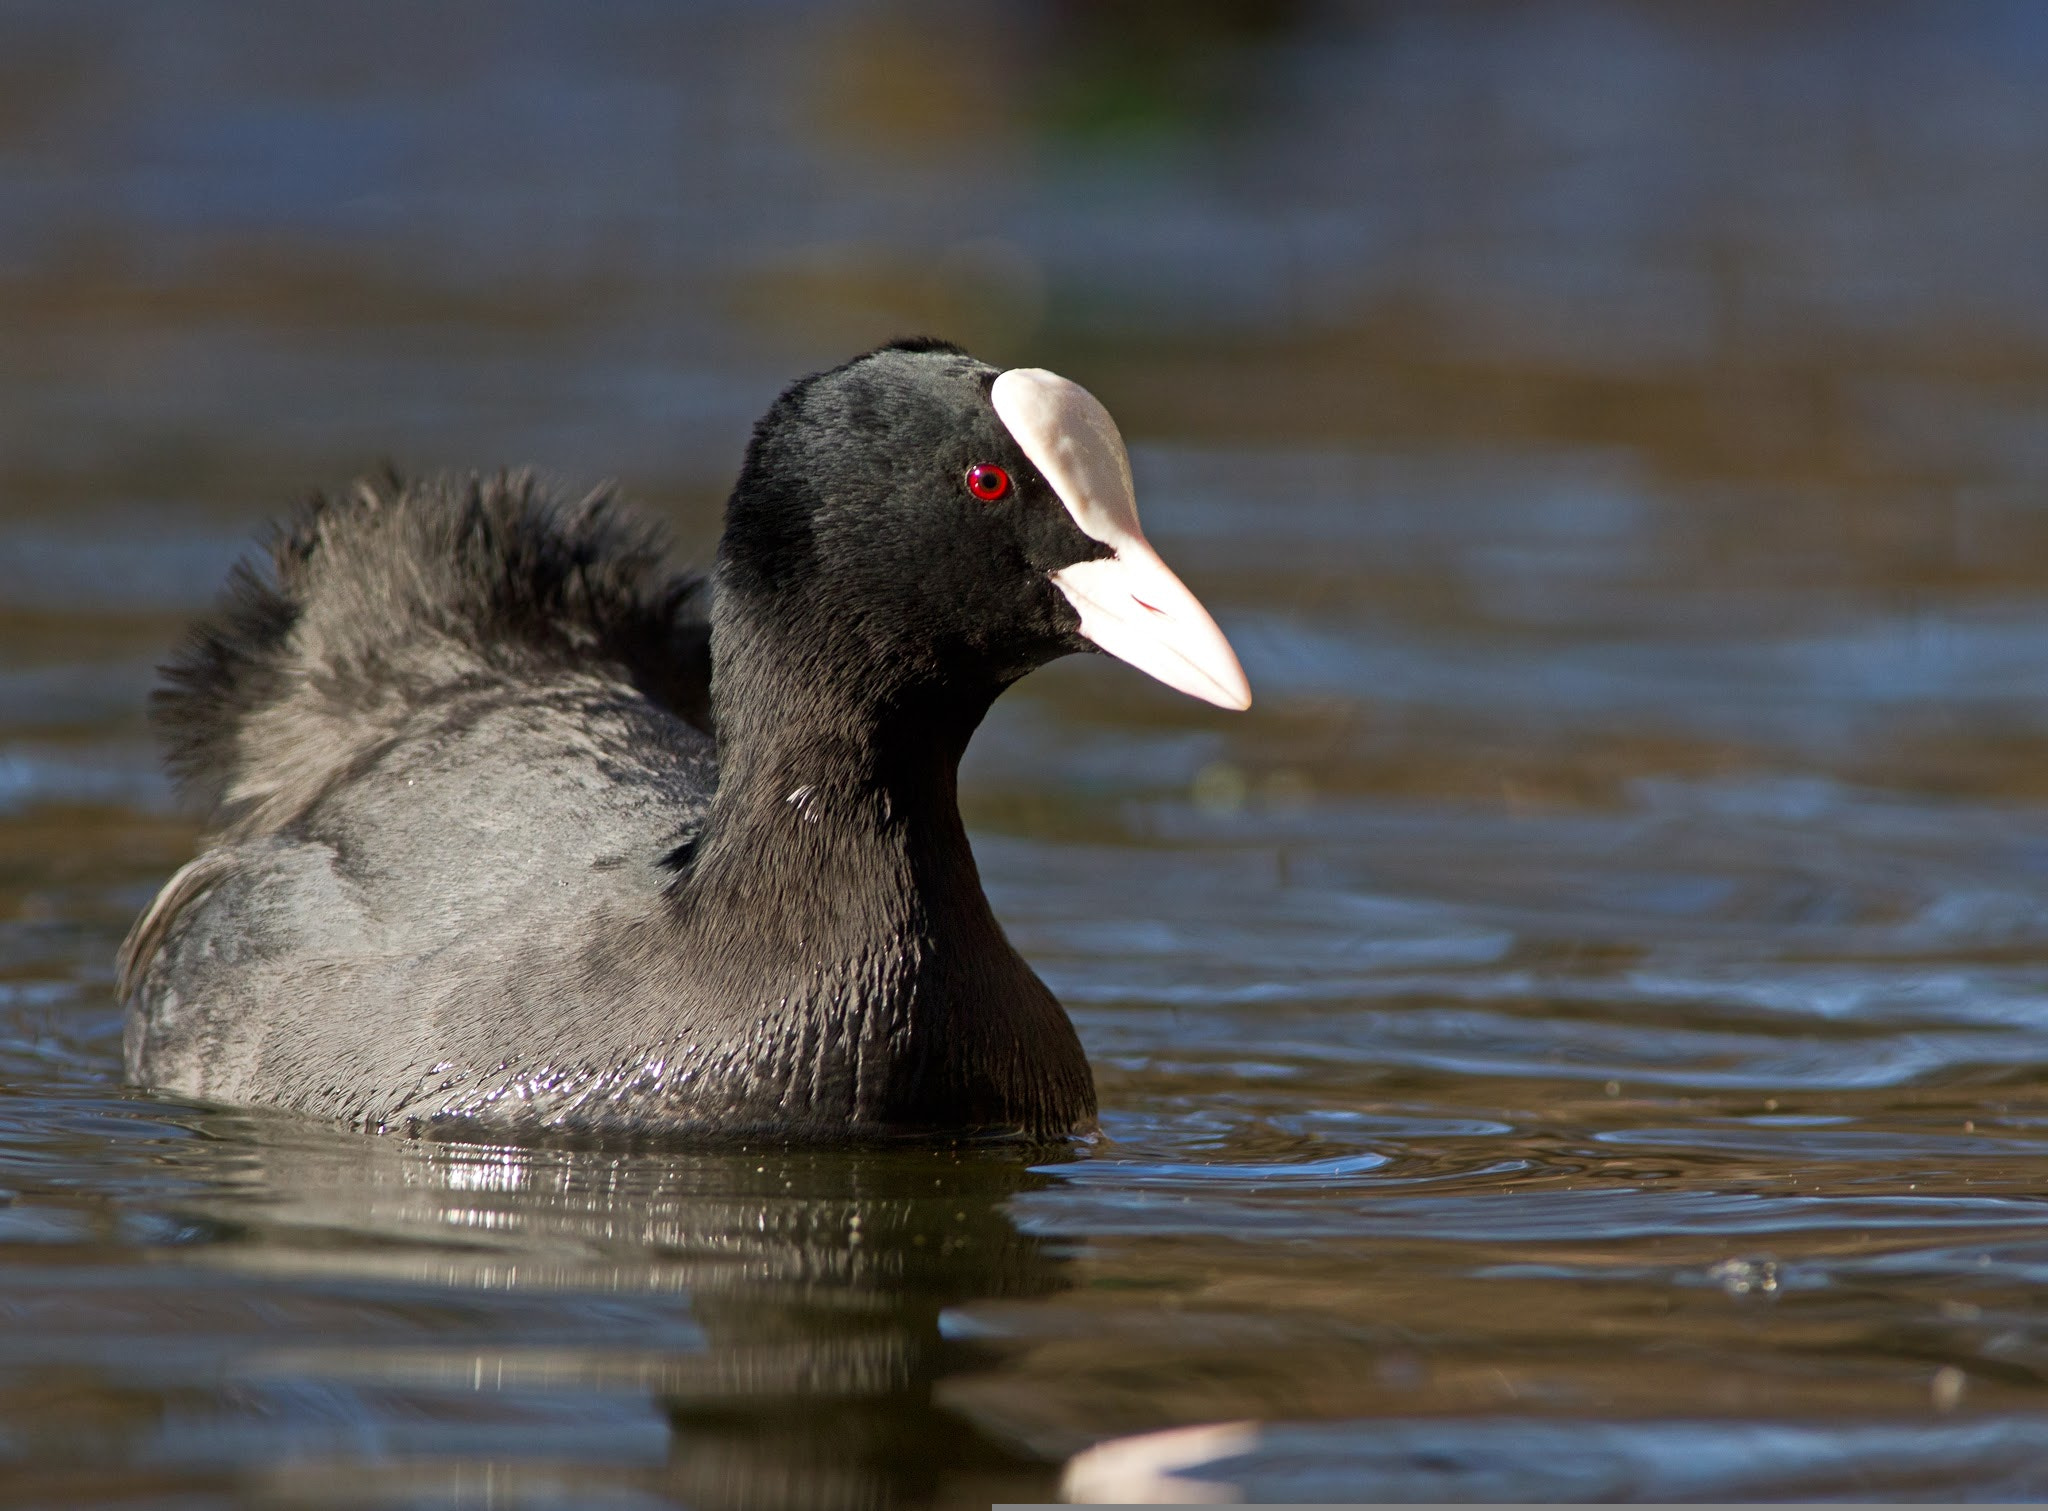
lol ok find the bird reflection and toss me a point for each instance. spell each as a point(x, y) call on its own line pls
point(778, 1311)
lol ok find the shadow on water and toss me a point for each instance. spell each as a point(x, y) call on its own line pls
point(345, 1320)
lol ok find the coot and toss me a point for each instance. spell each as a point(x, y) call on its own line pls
point(511, 829)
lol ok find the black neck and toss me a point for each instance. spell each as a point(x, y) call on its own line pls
point(835, 832)
point(833, 910)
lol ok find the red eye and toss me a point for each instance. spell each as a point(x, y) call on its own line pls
point(987, 482)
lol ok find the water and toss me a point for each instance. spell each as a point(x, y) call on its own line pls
point(1580, 1036)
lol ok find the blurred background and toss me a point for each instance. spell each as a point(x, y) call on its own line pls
point(1579, 1035)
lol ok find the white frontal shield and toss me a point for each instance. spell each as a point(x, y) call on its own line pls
point(1130, 602)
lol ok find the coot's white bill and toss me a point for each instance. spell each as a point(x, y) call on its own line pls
point(1130, 602)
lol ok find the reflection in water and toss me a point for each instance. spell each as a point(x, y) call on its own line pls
point(752, 1327)
point(1501, 1459)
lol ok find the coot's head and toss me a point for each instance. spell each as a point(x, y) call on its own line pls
point(925, 521)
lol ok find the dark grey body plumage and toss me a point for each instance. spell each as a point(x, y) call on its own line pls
point(514, 829)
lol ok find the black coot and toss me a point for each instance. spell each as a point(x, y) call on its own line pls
point(509, 833)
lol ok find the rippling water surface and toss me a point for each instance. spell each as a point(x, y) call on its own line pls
point(1580, 1036)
